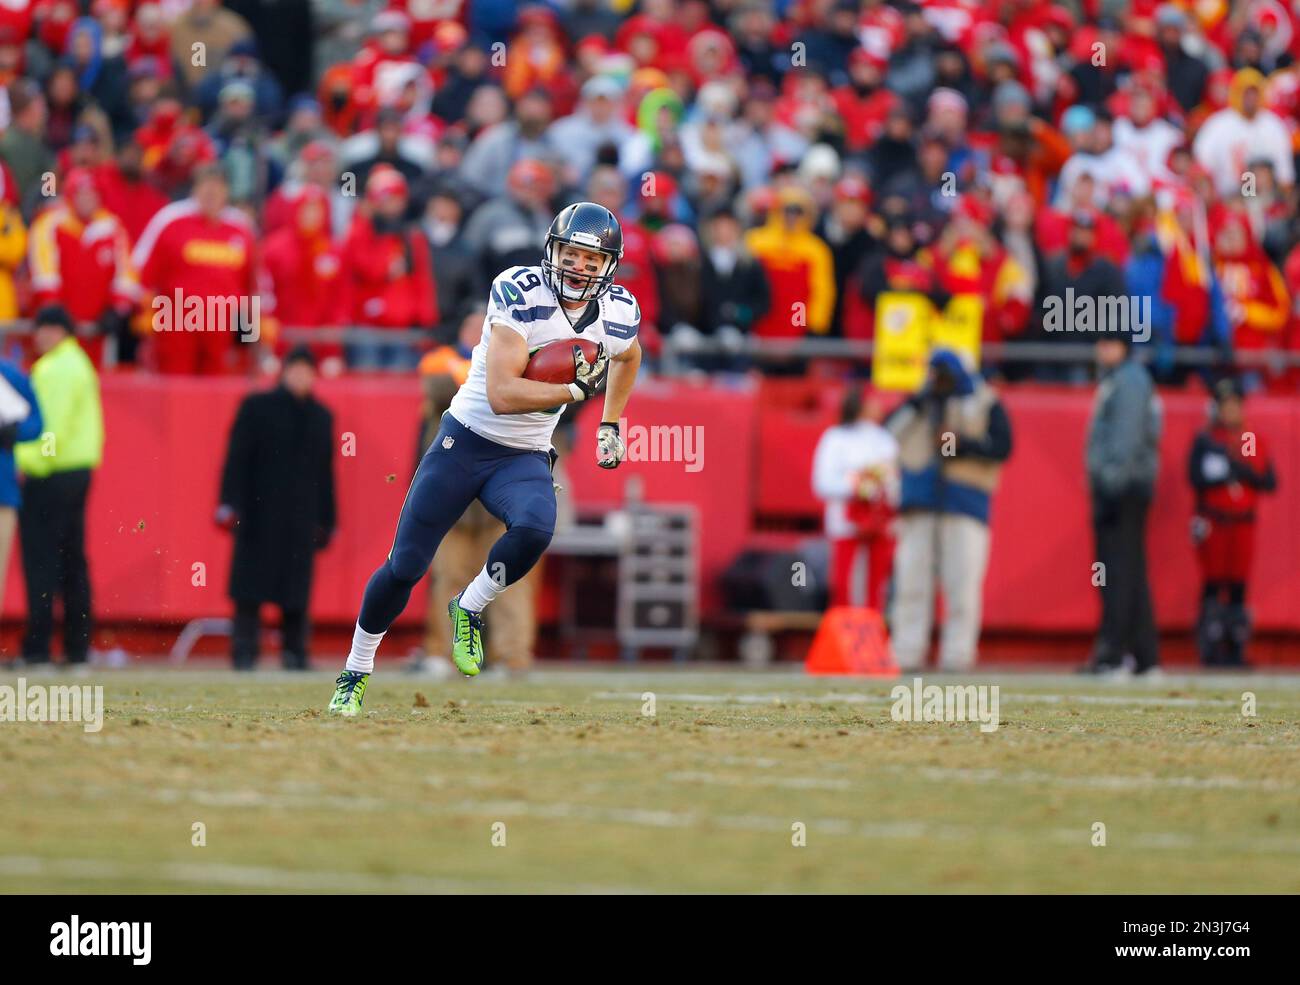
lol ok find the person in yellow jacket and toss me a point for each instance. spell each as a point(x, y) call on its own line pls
point(799, 268)
point(13, 250)
point(58, 467)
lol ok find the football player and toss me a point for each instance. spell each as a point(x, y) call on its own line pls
point(495, 439)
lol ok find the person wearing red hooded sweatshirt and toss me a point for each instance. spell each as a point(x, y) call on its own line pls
point(150, 38)
point(127, 194)
point(864, 103)
point(1259, 307)
point(79, 256)
point(173, 148)
point(1228, 467)
point(388, 274)
point(304, 266)
point(536, 58)
point(652, 37)
point(196, 260)
point(970, 261)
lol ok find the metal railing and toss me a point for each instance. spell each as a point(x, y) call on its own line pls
point(676, 352)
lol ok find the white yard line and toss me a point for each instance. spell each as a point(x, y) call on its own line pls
point(491, 810)
point(785, 782)
point(1106, 781)
point(744, 699)
point(884, 699)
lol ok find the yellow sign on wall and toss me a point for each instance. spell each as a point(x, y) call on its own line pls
point(908, 328)
point(960, 328)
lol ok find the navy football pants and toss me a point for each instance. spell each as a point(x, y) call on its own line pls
point(514, 485)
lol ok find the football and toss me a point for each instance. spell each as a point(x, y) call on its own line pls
point(555, 363)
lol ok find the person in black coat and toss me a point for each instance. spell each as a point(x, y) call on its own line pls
point(733, 287)
point(1083, 270)
point(283, 29)
point(1186, 74)
point(456, 270)
point(844, 228)
point(277, 497)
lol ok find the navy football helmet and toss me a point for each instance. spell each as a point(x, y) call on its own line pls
point(587, 226)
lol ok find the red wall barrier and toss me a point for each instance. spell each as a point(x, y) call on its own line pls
point(152, 540)
point(1040, 566)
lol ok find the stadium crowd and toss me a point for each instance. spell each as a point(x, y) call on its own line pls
point(776, 164)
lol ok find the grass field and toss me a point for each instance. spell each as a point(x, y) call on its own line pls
point(703, 796)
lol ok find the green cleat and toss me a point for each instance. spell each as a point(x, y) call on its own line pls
point(466, 638)
point(349, 689)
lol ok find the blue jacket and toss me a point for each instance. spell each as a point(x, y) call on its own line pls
point(28, 430)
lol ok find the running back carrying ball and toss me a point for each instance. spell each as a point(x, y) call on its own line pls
point(554, 334)
point(556, 362)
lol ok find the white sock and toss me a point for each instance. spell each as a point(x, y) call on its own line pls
point(361, 659)
point(482, 590)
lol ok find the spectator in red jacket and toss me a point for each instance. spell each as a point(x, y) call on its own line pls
point(196, 261)
point(1052, 228)
point(1259, 305)
point(388, 275)
point(317, 164)
point(150, 38)
point(864, 103)
point(173, 147)
point(305, 267)
point(970, 261)
point(79, 257)
point(126, 192)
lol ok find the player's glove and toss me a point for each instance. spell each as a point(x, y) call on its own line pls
point(589, 377)
point(610, 450)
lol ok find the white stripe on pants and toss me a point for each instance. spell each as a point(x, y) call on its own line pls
point(953, 550)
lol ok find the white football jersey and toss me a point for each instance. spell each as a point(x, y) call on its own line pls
point(521, 301)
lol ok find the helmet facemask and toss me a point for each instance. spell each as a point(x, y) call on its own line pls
point(570, 284)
